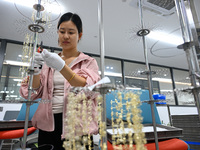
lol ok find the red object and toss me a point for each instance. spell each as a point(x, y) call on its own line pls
point(39, 50)
point(171, 144)
point(18, 133)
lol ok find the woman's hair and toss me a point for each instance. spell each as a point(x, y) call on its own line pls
point(71, 17)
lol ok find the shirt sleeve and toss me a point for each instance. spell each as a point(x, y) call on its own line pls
point(37, 93)
point(89, 71)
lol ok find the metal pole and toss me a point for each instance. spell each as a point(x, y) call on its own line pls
point(169, 113)
point(31, 72)
point(28, 104)
point(102, 56)
point(190, 38)
point(148, 75)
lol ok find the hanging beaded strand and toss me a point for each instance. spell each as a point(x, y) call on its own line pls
point(79, 106)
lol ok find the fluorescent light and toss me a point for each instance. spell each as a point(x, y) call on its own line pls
point(18, 80)
point(16, 63)
point(18, 84)
point(24, 56)
point(162, 80)
point(4, 91)
point(132, 88)
point(164, 37)
point(112, 74)
point(170, 81)
point(166, 90)
point(13, 95)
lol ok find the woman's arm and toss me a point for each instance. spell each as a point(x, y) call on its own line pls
point(72, 78)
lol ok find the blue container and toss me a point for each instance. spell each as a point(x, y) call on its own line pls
point(159, 97)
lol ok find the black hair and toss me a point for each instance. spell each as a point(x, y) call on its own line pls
point(71, 17)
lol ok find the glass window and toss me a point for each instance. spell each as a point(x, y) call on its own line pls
point(163, 77)
point(11, 74)
point(10, 84)
point(2, 89)
point(112, 70)
point(182, 81)
point(13, 52)
point(133, 75)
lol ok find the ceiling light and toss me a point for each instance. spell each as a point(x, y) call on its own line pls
point(16, 63)
point(4, 91)
point(13, 95)
point(164, 37)
point(18, 84)
point(162, 79)
point(133, 88)
point(112, 74)
point(17, 80)
point(166, 90)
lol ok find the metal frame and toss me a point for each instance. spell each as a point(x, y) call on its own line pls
point(190, 46)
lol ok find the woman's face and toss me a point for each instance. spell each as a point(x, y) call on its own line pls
point(68, 35)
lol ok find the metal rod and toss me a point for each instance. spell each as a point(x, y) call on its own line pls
point(191, 50)
point(102, 57)
point(29, 92)
point(148, 76)
point(31, 72)
point(169, 113)
point(101, 36)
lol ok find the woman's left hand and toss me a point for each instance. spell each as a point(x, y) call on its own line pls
point(53, 60)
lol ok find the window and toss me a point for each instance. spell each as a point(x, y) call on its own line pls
point(163, 76)
point(11, 77)
point(134, 77)
point(112, 70)
point(182, 81)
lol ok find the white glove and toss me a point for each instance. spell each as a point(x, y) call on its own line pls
point(38, 63)
point(53, 60)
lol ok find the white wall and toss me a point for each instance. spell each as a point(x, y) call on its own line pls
point(9, 107)
point(174, 110)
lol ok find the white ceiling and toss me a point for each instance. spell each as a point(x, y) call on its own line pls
point(121, 21)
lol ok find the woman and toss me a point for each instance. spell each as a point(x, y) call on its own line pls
point(58, 74)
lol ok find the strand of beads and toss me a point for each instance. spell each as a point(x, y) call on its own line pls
point(26, 55)
point(131, 100)
point(113, 124)
point(89, 120)
point(73, 112)
point(70, 123)
point(102, 125)
point(77, 121)
point(139, 136)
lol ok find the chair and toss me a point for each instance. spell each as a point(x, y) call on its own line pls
point(146, 108)
point(12, 134)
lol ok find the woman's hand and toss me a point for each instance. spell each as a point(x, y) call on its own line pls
point(38, 63)
point(53, 60)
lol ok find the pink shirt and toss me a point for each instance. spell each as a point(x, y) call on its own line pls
point(85, 66)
